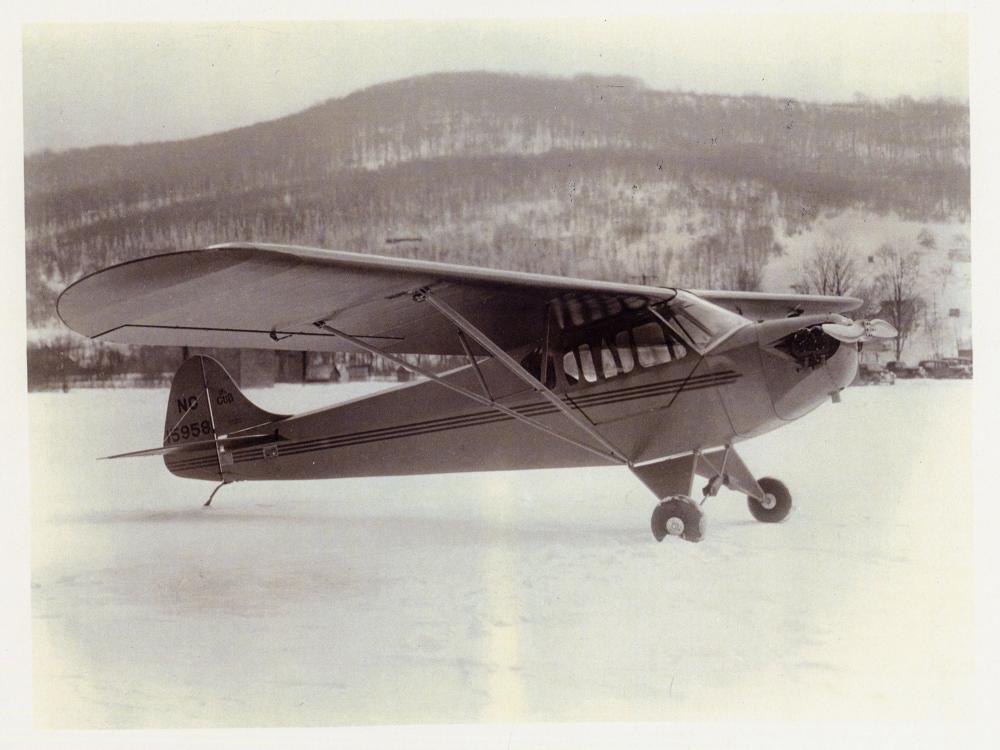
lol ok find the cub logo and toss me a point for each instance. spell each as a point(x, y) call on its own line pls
point(224, 397)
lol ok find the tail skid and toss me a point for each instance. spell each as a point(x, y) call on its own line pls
point(218, 487)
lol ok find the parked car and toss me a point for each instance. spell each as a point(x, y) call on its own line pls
point(943, 368)
point(874, 374)
point(902, 370)
point(963, 362)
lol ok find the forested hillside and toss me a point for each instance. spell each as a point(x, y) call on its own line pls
point(591, 176)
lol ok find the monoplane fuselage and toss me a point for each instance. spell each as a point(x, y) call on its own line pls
point(559, 372)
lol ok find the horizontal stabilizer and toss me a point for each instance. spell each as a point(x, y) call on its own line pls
point(189, 447)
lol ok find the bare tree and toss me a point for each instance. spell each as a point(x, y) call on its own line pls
point(828, 269)
point(896, 286)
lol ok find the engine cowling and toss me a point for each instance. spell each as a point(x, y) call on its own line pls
point(810, 346)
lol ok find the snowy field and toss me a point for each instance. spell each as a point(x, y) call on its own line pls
point(517, 596)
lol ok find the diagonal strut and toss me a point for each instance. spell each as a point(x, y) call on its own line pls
point(610, 455)
point(507, 361)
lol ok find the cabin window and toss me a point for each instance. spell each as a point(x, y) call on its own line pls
point(587, 364)
point(623, 347)
point(571, 368)
point(648, 345)
point(608, 364)
point(684, 324)
point(653, 347)
point(577, 361)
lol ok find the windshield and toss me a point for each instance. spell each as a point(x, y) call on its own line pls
point(700, 322)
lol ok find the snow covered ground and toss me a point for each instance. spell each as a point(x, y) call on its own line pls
point(516, 596)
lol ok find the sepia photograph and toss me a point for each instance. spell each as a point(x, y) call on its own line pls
point(455, 370)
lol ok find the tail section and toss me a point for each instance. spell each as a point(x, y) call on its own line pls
point(205, 406)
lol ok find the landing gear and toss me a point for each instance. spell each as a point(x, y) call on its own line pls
point(672, 479)
point(680, 516)
point(775, 506)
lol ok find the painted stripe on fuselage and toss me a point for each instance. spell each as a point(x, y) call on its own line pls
point(474, 419)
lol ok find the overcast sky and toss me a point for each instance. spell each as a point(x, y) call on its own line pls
point(124, 83)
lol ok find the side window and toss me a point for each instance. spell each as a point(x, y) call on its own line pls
point(608, 365)
point(587, 364)
point(653, 347)
point(571, 368)
point(623, 345)
point(550, 373)
point(605, 359)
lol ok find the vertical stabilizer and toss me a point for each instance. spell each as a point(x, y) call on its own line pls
point(205, 404)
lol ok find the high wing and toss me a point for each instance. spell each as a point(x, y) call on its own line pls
point(271, 296)
point(261, 296)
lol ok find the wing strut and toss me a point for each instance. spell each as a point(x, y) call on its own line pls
point(475, 364)
point(507, 361)
point(609, 455)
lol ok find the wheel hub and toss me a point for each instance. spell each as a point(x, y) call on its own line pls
point(769, 502)
point(678, 516)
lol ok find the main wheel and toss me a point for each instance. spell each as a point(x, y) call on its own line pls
point(777, 502)
point(678, 516)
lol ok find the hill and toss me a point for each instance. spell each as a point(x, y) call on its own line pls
point(592, 176)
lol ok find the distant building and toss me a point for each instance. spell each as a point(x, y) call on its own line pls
point(249, 368)
point(307, 367)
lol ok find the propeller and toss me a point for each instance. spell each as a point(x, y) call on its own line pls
point(858, 331)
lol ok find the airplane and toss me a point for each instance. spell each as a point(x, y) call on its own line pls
point(559, 372)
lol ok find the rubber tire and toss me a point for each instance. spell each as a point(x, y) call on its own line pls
point(779, 512)
point(685, 509)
